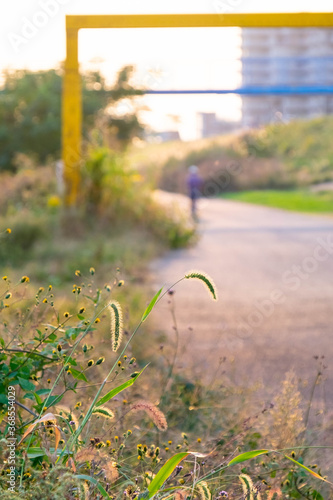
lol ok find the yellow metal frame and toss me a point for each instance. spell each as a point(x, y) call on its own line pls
point(71, 104)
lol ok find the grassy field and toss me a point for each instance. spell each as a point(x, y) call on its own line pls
point(278, 156)
point(297, 201)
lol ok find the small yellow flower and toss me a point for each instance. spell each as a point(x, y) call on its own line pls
point(66, 314)
point(50, 287)
point(8, 230)
point(6, 305)
point(41, 290)
point(199, 440)
point(121, 283)
point(59, 347)
point(166, 448)
point(97, 320)
point(169, 442)
point(82, 310)
point(25, 279)
point(8, 295)
point(77, 272)
point(129, 432)
point(5, 278)
point(125, 357)
point(49, 380)
point(45, 408)
point(92, 271)
point(100, 360)
point(116, 438)
point(90, 362)
point(125, 401)
point(45, 301)
point(108, 443)
point(119, 363)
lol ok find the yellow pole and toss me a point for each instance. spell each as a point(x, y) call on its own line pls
point(71, 119)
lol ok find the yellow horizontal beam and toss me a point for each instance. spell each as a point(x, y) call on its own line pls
point(255, 20)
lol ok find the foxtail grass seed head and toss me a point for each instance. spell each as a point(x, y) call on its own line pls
point(116, 317)
point(153, 412)
point(207, 280)
point(103, 412)
point(203, 490)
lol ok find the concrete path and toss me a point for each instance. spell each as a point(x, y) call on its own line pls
point(274, 273)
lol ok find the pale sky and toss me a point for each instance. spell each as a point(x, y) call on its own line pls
point(32, 35)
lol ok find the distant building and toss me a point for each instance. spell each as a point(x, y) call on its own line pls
point(286, 57)
point(163, 136)
point(209, 125)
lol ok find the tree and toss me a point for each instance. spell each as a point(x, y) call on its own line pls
point(30, 112)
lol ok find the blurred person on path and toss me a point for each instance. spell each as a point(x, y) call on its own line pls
point(194, 183)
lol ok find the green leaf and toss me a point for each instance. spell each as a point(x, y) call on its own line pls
point(35, 452)
point(307, 469)
point(247, 456)
point(118, 389)
point(78, 375)
point(96, 483)
point(26, 384)
point(164, 473)
point(151, 305)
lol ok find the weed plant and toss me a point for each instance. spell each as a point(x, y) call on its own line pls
point(89, 425)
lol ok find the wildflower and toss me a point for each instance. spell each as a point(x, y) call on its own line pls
point(205, 279)
point(154, 413)
point(169, 442)
point(48, 380)
point(97, 320)
point(45, 408)
point(6, 305)
point(82, 310)
point(45, 301)
point(293, 454)
point(25, 279)
point(100, 360)
point(132, 360)
point(5, 278)
point(92, 271)
point(108, 443)
point(41, 290)
point(166, 448)
point(116, 438)
point(119, 363)
point(8, 230)
point(125, 401)
point(129, 432)
point(66, 314)
point(85, 348)
point(78, 404)
point(8, 295)
point(77, 272)
point(199, 440)
point(50, 288)
point(61, 441)
point(121, 283)
point(125, 357)
point(59, 347)
point(90, 362)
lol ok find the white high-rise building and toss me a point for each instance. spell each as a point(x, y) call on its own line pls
point(286, 57)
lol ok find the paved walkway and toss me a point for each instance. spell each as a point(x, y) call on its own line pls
point(274, 273)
